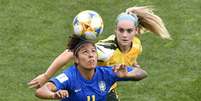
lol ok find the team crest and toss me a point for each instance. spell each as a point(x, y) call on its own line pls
point(102, 85)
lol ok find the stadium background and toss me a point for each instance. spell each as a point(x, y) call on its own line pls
point(34, 32)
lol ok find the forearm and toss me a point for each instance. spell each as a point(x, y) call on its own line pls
point(46, 92)
point(137, 74)
point(136, 65)
point(58, 63)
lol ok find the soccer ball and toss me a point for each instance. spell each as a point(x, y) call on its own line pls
point(88, 24)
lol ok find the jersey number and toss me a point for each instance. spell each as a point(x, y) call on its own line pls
point(91, 98)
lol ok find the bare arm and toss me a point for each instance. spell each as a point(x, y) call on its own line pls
point(48, 91)
point(136, 74)
point(59, 62)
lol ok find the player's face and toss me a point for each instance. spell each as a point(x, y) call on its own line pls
point(125, 31)
point(87, 57)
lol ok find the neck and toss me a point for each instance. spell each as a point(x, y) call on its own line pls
point(125, 49)
point(86, 73)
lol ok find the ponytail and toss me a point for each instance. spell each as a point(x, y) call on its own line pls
point(149, 21)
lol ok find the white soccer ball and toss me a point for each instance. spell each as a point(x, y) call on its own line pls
point(88, 24)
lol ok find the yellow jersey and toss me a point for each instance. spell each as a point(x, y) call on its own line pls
point(109, 53)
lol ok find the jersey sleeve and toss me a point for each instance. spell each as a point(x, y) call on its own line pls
point(140, 49)
point(137, 44)
point(105, 48)
point(61, 81)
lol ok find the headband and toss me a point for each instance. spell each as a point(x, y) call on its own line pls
point(79, 45)
point(127, 16)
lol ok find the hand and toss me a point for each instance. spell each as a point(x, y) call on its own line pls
point(39, 81)
point(120, 70)
point(60, 94)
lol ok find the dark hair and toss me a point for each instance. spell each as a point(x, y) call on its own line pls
point(76, 42)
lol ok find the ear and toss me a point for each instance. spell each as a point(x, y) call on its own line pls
point(115, 30)
point(137, 31)
point(76, 59)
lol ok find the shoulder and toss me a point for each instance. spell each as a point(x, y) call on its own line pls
point(136, 40)
point(137, 43)
point(104, 69)
point(106, 47)
point(67, 74)
point(109, 42)
point(70, 69)
point(65, 78)
point(107, 73)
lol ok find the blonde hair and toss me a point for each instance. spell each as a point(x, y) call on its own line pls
point(148, 20)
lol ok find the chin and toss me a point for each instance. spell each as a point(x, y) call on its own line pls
point(91, 67)
point(125, 44)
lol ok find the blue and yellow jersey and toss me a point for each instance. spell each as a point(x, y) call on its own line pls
point(109, 53)
point(81, 89)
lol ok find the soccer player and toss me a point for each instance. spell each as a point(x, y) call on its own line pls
point(85, 81)
point(123, 47)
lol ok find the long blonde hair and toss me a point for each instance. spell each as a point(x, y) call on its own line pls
point(148, 20)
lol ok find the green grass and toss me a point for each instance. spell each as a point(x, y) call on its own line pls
point(34, 32)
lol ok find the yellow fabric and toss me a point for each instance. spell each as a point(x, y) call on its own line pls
point(128, 58)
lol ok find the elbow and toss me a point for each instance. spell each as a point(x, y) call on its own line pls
point(44, 92)
point(40, 94)
point(145, 74)
point(141, 75)
point(37, 93)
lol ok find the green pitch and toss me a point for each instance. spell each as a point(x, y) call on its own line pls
point(34, 32)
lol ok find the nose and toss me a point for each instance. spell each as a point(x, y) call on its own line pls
point(91, 55)
point(124, 34)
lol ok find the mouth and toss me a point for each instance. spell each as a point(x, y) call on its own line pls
point(124, 40)
point(91, 62)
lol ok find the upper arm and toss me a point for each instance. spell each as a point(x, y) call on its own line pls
point(59, 62)
point(66, 56)
point(137, 74)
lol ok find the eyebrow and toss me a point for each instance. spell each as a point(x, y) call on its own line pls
point(86, 49)
point(126, 28)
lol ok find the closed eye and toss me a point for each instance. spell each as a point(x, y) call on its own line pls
point(93, 50)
